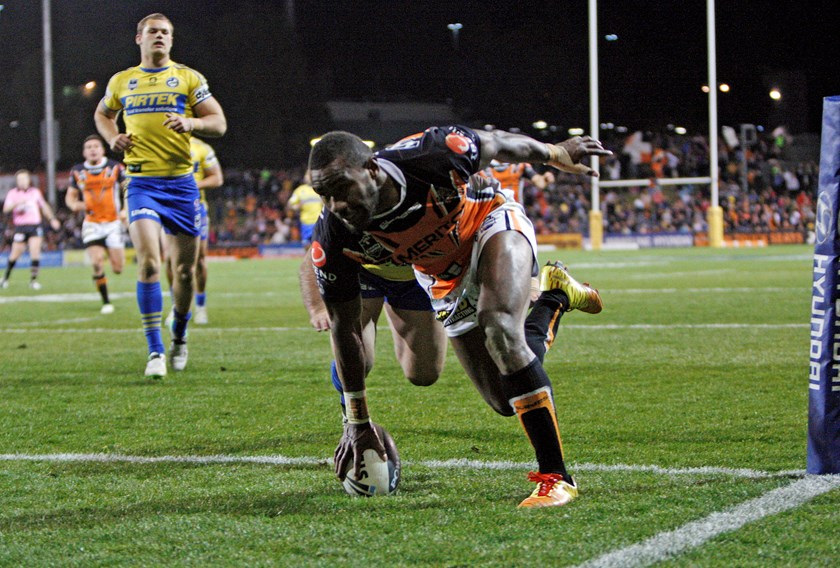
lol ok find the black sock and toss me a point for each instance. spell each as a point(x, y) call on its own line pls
point(34, 267)
point(9, 268)
point(542, 323)
point(529, 392)
point(102, 285)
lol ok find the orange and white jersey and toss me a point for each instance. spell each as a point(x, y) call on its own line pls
point(99, 186)
point(442, 206)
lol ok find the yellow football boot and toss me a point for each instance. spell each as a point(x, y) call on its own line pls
point(555, 276)
point(552, 491)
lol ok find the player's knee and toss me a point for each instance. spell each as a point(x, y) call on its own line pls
point(184, 272)
point(422, 379)
point(500, 405)
point(149, 269)
point(501, 329)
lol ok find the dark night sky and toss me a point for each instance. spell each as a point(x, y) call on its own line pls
point(517, 61)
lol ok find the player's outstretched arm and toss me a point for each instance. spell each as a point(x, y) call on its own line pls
point(516, 148)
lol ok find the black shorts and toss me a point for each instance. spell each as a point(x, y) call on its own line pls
point(404, 295)
point(25, 232)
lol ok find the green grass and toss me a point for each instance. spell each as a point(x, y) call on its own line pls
point(650, 381)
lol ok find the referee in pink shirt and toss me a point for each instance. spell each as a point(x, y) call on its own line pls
point(26, 204)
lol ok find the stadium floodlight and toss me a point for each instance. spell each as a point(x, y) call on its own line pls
point(776, 94)
point(90, 85)
point(680, 130)
point(724, 88)
point(705, 88)
point(576, 131)
point(540, 125)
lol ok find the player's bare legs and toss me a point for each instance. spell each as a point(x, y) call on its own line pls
point(503, 275)
point(201, 282)
point(145, 235)
point(96, 253)
point(35, 259)
point(419, 344)
point(183, 251)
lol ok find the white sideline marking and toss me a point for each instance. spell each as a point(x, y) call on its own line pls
point(435, 464)
point(614, 326)
point(741, 290)
point(666, 545)
point(63, 298)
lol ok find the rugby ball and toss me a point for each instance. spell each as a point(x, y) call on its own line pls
point(376, 477)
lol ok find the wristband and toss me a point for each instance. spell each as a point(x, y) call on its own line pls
point(357, 410)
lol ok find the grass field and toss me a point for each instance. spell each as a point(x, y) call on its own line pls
point(683, 408)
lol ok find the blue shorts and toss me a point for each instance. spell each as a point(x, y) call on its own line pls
point(204, 229)
point(172, 202)
point(306, 233)
point(403, 295)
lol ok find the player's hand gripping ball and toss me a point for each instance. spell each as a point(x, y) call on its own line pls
point(377, 477)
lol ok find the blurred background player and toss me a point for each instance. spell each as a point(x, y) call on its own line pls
point(163, 104)
point(26, 204)
point(419, 339)
point(96, 188)
point(307, 205)
point(511, 177)
point(208, 175)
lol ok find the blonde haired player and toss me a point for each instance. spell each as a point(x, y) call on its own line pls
point(163, 104)
point(96, 188)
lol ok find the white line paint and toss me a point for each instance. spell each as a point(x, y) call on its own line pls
point(741, 290)
point(673, 543)
point(207, 329)
point(435, 464)
point(63, 298)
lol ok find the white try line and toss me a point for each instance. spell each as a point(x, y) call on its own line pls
point(616, 326)
point(434, 464)
point(666, 545)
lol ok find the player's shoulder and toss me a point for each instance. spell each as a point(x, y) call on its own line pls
point(189, 72)
point(126, 74)
point(200, 144)
point(80, 167)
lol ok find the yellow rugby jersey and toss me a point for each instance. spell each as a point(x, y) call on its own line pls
point(145, 96)
point(310, 203)
point(390, 271)
point(203, 157)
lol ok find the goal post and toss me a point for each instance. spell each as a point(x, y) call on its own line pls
point(824, 350)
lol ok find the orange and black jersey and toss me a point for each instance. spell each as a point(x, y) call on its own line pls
point(100, 188)
point(433, 225)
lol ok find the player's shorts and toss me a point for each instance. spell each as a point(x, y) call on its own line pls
point(25, 232)
point(306, 232)
point(204, 229)
point(108, 235)
point(172, 202)
point(458, 310)
point(402, 295)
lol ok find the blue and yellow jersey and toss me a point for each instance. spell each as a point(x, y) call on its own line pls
point(390, 271)
point(309, 203)
point(203, 158)
point(145, 96)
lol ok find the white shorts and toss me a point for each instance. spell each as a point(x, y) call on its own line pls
point(458, 310)
point(108, 234)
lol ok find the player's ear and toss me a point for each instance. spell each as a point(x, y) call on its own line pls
point(372, 165)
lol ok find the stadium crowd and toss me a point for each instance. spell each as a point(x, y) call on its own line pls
point(251, 207)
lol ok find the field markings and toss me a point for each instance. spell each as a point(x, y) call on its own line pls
point(669, 544)
point(434, 464)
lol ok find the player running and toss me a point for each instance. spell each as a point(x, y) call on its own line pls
point(96, 188)
point(473, 251)
point(26, 204)
point(306, 204)
point(163, 104)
